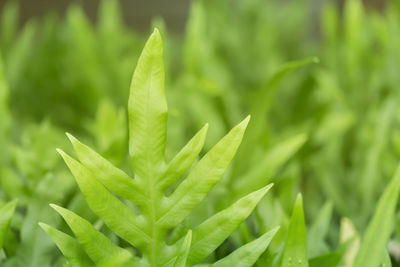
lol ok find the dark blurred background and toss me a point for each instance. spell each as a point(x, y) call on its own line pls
point(137, 13)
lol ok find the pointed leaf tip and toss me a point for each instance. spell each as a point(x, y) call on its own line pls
point(155, 36)
point(71, 138)
point(188, 238)
point(62, 153)
point(44, 226)
point(156, 31)
point(204, 130)
point(296, 241)
point(299, 199)
point(264, 190)
point(56, 207)
point(275, 229)
point(245, 122)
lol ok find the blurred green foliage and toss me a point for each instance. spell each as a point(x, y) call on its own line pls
point(321, 85)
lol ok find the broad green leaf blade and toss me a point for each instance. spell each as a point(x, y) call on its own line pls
point(268, 165)
point(211, 233)
point(205, 174)
point(295, 251)
point(375, 240)
point(184, 159)
point(6, 214)
point(148, 111)
point(105, 172)
point(97, 195)
point(69, 247)
point(184, 251)
point(97, 246)
point(248, 254)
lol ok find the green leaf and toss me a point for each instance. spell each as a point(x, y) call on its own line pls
point(184, 251)
point(6, 214)
point(71, 249)
point(146, 223)
point(211, 233)
point(96, 195)
point(147, 110)
point(295, 251)
point(327, 260)
point(204, 175)
point(119, 260)
point(374, 242)
point(98, 247)
point(248, 254)
point(184, 159)
point(105, 172)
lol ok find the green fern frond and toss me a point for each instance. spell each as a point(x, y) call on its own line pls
point(107, 188)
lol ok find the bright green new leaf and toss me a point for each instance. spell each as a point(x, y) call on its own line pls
point(295, 251)
point(113, 178)
point(148, 113)
point(211, 233)
point(204, 175)
point(184, 251)
point(184, 159)
point(97, 246)
point(71, 249)
point(96, 195)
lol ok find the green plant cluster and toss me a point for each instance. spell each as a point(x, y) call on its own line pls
point(265, 135)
